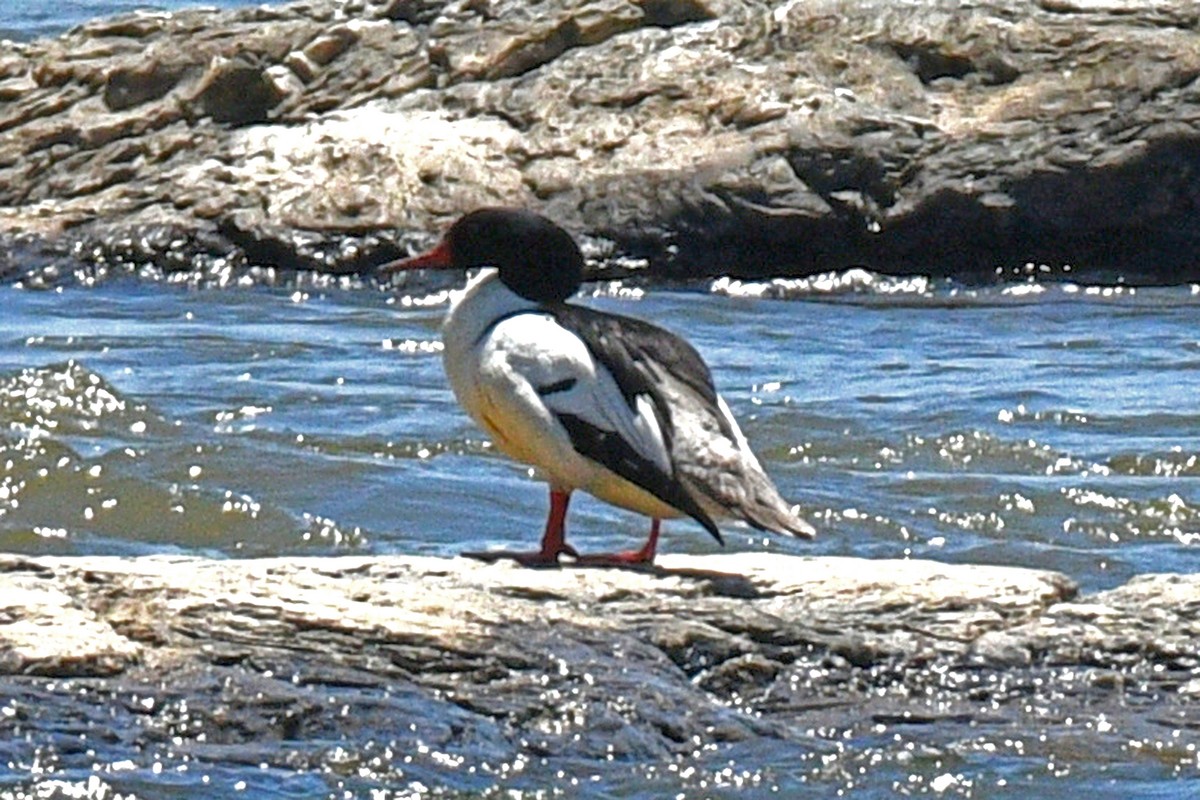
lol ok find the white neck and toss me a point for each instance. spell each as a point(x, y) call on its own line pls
point(474, 310)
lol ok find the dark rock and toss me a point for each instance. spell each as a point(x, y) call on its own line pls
point(237, 92)
point(702, 136)
point(131, 86)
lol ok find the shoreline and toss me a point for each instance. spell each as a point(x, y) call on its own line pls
point(711, 137)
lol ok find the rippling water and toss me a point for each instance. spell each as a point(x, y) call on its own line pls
point(1049, 426)
point(1052, 426)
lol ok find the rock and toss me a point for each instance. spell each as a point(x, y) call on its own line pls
point(699, 137)
point(698, 612)
point(236, 91)
point(1104, 631)
point(131, 86)
point(44, 632)
point(176, 659)
point(158, 610)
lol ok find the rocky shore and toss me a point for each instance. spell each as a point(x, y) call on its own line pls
point(686, 137)
point(211, 657)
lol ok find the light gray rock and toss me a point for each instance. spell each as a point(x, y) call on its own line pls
point(437, 665)
point(701, 136)
point(109, 613)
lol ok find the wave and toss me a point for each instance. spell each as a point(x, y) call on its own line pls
point(974, 452)
point(862, 284)
point(85, 468)
point(435, 288)
point(851, 281)
point(67, 399)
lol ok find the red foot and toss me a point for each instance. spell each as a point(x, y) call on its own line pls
point(554, 545)
point(625, 558)
point(554, 539)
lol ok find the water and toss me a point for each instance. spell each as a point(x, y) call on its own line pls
point(1054, 429)
point(1050, 426)
point(22, 20)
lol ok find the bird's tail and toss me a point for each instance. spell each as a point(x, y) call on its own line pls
point(764, 508)
point(755, 500)
point(774, 514)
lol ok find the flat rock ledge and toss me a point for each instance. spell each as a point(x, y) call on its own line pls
point(690, 137)
point(578, 663)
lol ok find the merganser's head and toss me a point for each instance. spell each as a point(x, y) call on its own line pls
point(535, 257)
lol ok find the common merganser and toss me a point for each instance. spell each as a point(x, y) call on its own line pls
point(609, 404)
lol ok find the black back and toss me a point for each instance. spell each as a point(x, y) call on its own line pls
point(633, 349)
point(636, 352)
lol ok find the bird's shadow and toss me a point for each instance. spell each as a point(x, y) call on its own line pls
point(726, 584)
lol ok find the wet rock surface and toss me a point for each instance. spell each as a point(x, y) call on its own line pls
point(694, 137)
point(224, 661)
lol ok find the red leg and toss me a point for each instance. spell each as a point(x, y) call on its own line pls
point(626, 558)
point(554, 539)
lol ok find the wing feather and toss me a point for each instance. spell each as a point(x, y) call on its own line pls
point(610, 410)
point(710, 457)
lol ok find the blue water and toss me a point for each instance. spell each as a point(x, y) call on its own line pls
point(22, 20)
point(1055, 430)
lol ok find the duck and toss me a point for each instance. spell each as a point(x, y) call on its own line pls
point(603, 403)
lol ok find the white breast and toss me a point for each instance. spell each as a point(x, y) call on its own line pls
point(500, 349)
